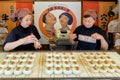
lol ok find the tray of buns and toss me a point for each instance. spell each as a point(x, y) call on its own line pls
point(60, 64)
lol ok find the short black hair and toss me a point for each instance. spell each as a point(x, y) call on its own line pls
point(86, 16)
point(44, 18)
point(69, 16)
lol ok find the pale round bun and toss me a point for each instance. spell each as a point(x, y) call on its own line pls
point(95, 69)
point(88, 58)
point(103, 69)
point(7, 59)
point(56, 58)
point(1, 70)
point(64, 55)
point(29, 64)
point(32, 59)
point(10, 55)
point(99, 63)
point(23, 59)
point(72, 58)
point(57, 70)
point(17, 55)
point(74, 63)
point(104, 54)
point(98, 54)
point(111, 69)
point(95, 58)
point(71, 54)
point(49, 54)
point(15, 59)
point(27, 70)
point(108, 58)
point(21, 64)
point(85, 54)
point(91, 63)
point(24, 55)
point(49, 63)
point(106, 63)
point(56, 54)
point(49, 70)
point(76, 70)
point(57, 64)
point(67, 70)
point(113, 63)
point(17, 71)
point(12, 64)
point(49, 58)
point(65, 58)
point(102, 58)
point(32, 55)
point(91, 54)
point(66, 64)
point(4, 64)
point(8, 71)
point(117, 69)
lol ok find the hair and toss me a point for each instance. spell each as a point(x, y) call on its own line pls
point(86, 16)
point(44, 18)
point(19, 14)
point(90, 13)
point(69, 16)
point(25, 15)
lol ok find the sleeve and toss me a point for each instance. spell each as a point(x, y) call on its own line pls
point(76, 32)
point(105, 37)
point(36, 33)
point(10, 38)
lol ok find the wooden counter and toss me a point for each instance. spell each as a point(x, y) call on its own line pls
point(38, 71)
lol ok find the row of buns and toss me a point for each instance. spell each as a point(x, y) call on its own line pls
point(63, 70)
point(15, 71)
point(17, 63)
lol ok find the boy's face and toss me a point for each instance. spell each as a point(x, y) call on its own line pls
point(50, 19)
point(88, 22)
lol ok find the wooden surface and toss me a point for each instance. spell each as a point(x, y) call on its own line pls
point(38, 71)
point(54, 0)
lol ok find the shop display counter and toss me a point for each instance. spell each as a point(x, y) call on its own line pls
point(60, 64)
